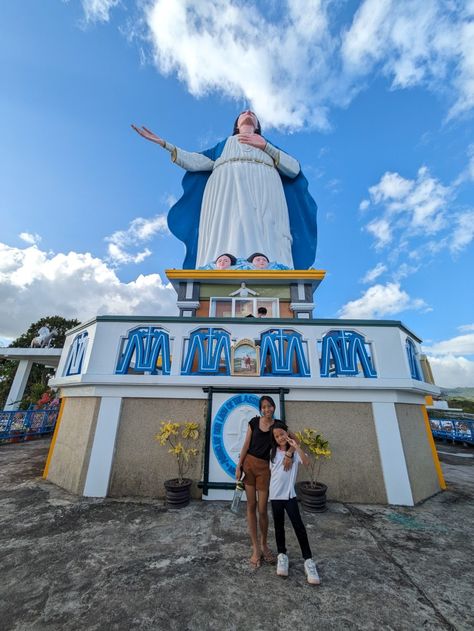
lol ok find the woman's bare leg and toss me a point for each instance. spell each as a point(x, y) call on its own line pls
point(263, 521)
point(252, 522)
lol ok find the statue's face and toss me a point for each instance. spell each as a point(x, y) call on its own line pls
point(260, 262)
point(247, 118)
point(223, 262)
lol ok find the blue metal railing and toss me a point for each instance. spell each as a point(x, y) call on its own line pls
point(456, 429)
point(20, 425)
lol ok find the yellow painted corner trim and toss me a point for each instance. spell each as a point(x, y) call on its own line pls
point(434, 453)
point(257, 274)
point(53, 440)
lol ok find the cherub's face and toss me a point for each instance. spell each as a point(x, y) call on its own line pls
point(223, 262)
point(260, 262)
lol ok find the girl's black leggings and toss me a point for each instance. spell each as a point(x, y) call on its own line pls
point(291, 507)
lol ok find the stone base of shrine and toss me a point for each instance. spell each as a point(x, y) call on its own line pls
point(382, 448)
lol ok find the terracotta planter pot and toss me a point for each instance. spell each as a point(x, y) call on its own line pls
point(313, 499)
point(178, 493)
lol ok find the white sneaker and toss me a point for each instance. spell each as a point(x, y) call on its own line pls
point(311, 571)
point(282, 565)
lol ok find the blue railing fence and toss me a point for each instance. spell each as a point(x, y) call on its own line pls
point(20, 425)
point(455, 429)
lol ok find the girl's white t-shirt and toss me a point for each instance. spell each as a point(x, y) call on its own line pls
point(282, 483)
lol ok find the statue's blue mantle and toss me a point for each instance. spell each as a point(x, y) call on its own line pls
point(184, 216)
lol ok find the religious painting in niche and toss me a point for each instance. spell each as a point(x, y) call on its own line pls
point(245, 359)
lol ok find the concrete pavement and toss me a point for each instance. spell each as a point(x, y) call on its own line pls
point(74, 563)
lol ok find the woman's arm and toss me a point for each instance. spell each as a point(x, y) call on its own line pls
point(188, 160)
point(304, 457)
point(243, 453)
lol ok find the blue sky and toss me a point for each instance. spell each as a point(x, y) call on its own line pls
point(375, 99)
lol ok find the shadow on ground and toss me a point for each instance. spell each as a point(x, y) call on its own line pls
point(74, 563)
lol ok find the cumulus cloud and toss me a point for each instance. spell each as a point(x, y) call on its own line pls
point(301, 58)
point(139, 231)
point(28, 237)
point(98, 10)
point(450, 371)
point(381, 300)
point(459, 345)
point(418, 216)
point(34, 284)
point(415, 43)
point(452, 359)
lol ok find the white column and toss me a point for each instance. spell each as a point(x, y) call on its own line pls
point(19, 384)
point(103, 447)
point(394, 467)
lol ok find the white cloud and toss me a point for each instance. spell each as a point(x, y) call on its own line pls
point(139, 231)
point(374, 273)
point(452, 372)
point(98, 10)
point(364, 204)
point(459, 345)
point(466, 327)
point(463, 232)
point(28, 237)
point(380, 229)
point(418, 217)
point(35, 284)
point(381, 300)
point(236, 49)
point(299, 56)
point(415, 43)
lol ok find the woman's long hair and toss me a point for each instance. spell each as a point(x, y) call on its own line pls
point(236, 129)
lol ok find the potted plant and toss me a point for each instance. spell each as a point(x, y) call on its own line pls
point(312, 493)
point(179, 438)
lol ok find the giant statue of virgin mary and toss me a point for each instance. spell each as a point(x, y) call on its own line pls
point(240, 197)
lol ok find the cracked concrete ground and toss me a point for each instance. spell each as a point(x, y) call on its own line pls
point(74, 563)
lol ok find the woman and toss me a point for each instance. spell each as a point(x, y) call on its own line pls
point(254, 462)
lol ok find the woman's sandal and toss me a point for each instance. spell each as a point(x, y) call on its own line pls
point(269, 557)
point(255, 562)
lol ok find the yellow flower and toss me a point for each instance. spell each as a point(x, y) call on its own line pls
point(191, 431)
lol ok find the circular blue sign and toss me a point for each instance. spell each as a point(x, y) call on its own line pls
point(217, 431)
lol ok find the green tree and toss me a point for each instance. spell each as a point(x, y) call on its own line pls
point(39, 376)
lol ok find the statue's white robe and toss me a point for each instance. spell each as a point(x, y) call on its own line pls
point(244, 207)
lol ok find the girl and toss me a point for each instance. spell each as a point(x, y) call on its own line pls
point(283, 498)
point(254, 462)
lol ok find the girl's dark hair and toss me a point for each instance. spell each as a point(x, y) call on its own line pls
point(233, 260)
point(277, 425)
point(252, 256)
point(236, 129)
point(268, 399)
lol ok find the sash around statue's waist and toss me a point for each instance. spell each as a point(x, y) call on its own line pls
point(220, 162)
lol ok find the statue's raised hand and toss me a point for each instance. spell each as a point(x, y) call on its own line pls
point(255, 140)
point(149, 135)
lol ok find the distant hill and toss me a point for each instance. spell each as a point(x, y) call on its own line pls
point(456, 393)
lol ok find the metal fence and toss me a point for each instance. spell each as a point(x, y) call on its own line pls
point(20, 425)
point(455, 429)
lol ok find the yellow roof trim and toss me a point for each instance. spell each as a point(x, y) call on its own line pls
point(257, 274)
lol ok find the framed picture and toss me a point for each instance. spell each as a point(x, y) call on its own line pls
point(245, 361)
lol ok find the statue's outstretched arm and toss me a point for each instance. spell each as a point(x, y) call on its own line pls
point(149, 135)
point(188, 160)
